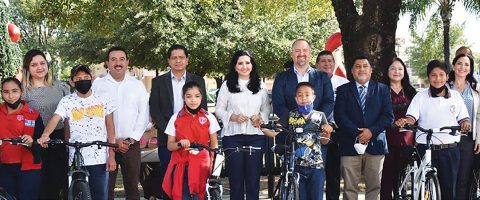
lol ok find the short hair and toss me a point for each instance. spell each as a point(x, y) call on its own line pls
point(116, 48)
point(80, 68)
point(462, 48)
point(437, 64)
point(14, 80)
point(324, 53)
point(360, 57)
point(301, 39)
point(304, 84)
point(190, 85)
point(175, 47)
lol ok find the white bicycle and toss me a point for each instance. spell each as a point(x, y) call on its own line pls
point(420, 181)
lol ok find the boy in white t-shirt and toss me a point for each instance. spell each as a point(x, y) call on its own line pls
point(435, 108)
point(90, 118)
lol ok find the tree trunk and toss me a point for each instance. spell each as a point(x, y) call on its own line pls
point(446, 14)
point(371, 34)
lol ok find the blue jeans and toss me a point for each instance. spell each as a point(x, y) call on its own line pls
point(98, 181)
point(311, 183)
point(186, 191)
point(23, 185)
point(244, 170)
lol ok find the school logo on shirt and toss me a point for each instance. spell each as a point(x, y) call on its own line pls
point(30, 123)
point(202, 120)
point(20, 117)
point(452, 109)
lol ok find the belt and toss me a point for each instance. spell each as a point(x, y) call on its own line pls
point(443, 146)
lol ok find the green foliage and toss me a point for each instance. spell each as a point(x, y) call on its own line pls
point(9, 52)
point(211, 30)
point(429, 46)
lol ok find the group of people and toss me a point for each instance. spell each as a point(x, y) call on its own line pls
point(338, 115)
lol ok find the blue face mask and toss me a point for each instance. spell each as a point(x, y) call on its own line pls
point(305, 109)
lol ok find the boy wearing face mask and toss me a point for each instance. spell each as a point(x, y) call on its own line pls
point(312, 133)
point(90, 118)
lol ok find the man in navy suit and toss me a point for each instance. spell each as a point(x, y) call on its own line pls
point(283, 91)
point(363, 110)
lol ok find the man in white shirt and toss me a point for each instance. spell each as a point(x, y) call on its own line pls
point(326, 63)
point(130, 119)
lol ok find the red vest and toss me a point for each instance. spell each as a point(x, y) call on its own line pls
point(195, 128)
point(15, 125)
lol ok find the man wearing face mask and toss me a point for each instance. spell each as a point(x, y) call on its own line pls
point(90, 118)
point(363, 111)
point(131, 118)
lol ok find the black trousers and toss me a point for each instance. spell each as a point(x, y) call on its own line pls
point(332, 172)
point(54, 170)
point(464, 179)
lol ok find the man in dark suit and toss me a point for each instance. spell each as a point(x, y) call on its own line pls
point(363, 110)
point(283, 91)
point(166, 98)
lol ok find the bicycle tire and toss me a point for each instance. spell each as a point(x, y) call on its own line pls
point(80, 191)
point(214, 190)
point(474, 193)
point(405, 177)
point(432, 187)
point(293, 193)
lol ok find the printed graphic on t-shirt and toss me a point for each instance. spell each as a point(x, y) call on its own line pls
point(86, 118)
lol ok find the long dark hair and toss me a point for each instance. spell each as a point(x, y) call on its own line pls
point(232, 76)
point(471, 80)
point(408, 89)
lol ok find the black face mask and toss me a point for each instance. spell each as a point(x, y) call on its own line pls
point(83, 86)
point(14, 105)
point(193, 111)
point(436, 91)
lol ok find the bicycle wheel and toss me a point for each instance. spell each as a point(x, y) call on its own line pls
point(475, 187)
point(80, 191)
point(215, 189)
point(293, 193)
point(432, 187)
point(404, 189)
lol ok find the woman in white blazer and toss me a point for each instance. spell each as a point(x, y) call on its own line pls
point(461, 79)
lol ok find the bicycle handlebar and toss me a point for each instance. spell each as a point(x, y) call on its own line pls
point(198, 146)
point(82, 144)
point(14, 141)
point(453, 129)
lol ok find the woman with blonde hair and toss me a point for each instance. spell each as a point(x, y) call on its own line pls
point(43, 94)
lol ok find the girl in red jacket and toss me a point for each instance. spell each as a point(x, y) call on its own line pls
point(19, 165)
point(187, 172)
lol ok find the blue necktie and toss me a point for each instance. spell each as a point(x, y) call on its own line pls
point(363, 96)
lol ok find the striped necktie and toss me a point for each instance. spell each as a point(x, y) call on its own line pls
point(363, 96)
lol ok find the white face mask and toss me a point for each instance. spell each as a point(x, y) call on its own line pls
point(359, 147)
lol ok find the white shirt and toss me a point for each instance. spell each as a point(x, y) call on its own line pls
point(336, 82)
point(131, 99)
point(244, 102)
point(213, 128)
point(86, 118)
point(177, 86)
point(437, 112)
point(302, 78)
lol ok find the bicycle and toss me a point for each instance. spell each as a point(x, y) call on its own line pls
point(214, 186)
point(288, 185)
point(78, 188)
point(421, 182)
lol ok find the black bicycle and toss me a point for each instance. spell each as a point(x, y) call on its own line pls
point(288, 185)
point(214, 186)
point(475, 187)
point(78, 188)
